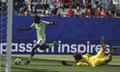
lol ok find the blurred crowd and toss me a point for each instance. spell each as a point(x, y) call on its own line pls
point(3, 6)
point(64, 8)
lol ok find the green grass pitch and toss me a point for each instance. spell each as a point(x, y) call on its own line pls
point(52, 63)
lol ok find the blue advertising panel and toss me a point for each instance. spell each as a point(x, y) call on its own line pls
point(72, 34)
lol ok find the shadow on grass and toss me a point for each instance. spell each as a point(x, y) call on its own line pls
point(19, 69)
point(114, 65)
point(43, 60)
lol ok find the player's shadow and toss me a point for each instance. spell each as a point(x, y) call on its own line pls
point(37, 59)
point(19, 69)
point(44, 61)
point(40, 62)
point(113, 65)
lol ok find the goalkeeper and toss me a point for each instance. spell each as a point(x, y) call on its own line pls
point(95, 60)
point(40, 26)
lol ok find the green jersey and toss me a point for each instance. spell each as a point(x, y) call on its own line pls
point(40, 29)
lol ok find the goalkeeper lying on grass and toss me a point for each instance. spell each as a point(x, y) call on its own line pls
point(92, 60)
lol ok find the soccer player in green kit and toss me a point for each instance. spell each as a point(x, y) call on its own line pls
point(40, 27)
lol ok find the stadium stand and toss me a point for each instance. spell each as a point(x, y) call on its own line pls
point(66, 8)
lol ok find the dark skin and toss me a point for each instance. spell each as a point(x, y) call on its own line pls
point(77, 56)
point(36, 21)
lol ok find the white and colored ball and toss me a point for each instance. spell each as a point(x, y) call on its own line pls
point(18, 61)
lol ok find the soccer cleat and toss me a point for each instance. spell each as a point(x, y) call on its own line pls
point(55, 43)
point(27, 62)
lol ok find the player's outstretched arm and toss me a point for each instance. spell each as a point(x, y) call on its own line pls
point(52, 22)
point(49, 23)
point(24, 29)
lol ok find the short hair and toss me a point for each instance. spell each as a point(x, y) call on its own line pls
point(36, 19)
point(77, 56)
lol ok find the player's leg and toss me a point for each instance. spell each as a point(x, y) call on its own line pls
point(38, 44)
point(32, 53)
point(33, 50)
point(97, 60)
point(101, 53)
point(99, 57)
point(48, 45)
point(41, 44)
point(110, 55)
point(52, 44)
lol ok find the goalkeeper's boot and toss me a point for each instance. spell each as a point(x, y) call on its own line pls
point(27, 62)
point(110, 55)
point(112, 50)
point(102, 40)
point(103, 43)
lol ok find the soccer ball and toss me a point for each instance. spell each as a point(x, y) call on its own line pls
point(18, 61)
